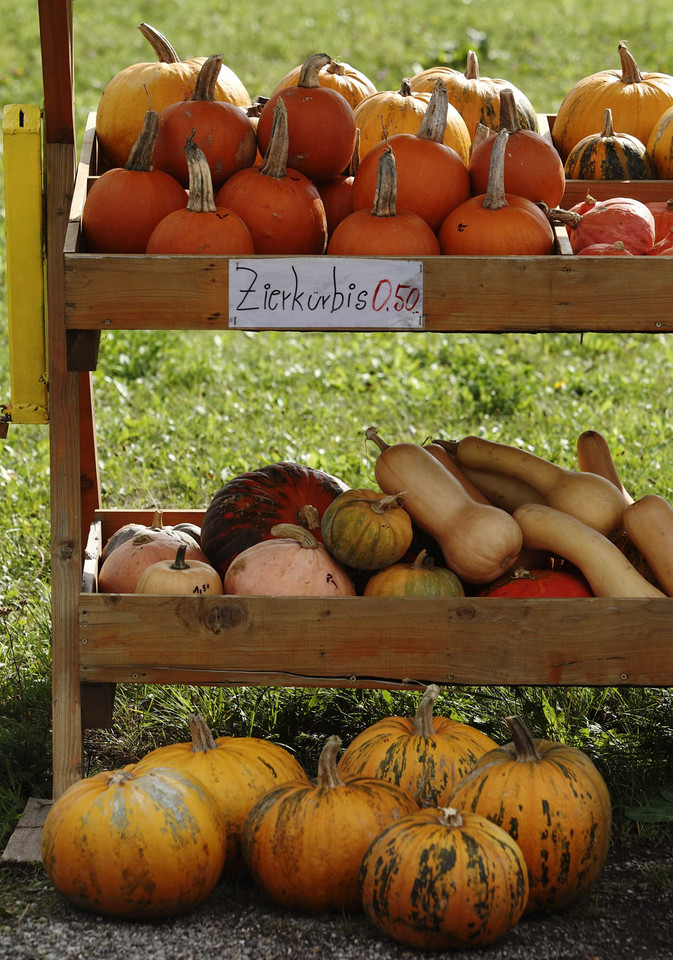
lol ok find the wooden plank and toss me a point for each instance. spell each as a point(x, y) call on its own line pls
point(375, 641)
point(56, 38)
point(24, 844)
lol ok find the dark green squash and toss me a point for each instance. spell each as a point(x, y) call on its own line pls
point(609, 156)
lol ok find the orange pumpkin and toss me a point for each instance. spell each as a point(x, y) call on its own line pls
point(280, 206)
point(321, 124)
point(616, 218)
point(660, 145)
point(125, 204)
point(432, 178)
point(351, 83)
point(123, 103)
point(424, 755)
point(337, 194)
point(303, 842)
point(419, 578)
point(662, 211)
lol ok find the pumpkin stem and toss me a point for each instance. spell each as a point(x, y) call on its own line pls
point(308, 517)
point(422, 561)
point(509, 117)
point(558, 216)
point(256, 107)
point(207, 78)
point(423, 721)
point(336, 68)
point(275, 158)
point(371, 434)
point(481, 133)
point(524, 746)
point(202, 738)
point(472, 66)
point(608, 126)
point(450, 817)
point(119, 776)
point(328, 775)
point(140, 157)
point(385, 196)
point(386, 503)
point(310, 70)
point(630, 69)
point(164, 50)
point(433, 124)
point(405, 88)
point(495, 198)
point(201, 199)
point(355, 156)
point(293, 531)
point(451, 446)
point(157, 520)
point(179, 562)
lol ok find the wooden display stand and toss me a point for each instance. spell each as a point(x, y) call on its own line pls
point(100, 639)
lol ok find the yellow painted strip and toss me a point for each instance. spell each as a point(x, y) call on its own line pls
point(21, 129)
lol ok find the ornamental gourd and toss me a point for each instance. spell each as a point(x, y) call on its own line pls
point(139, 845)
point(553, 801)
point(538, 583)
point(424, 755)
point(180, 577)
point(389, 112)
point(606, 155)
point(660, 145)
point(419, 578)
point(366, 529)
point(662, 211)
point(303, 842)
point(444, 879)
point(123, 103)
point(321, 124)
point(351, 83)
point(612, 219)
point(236, 770)
point(125, 204)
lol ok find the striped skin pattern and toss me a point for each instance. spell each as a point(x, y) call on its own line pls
point(442, 879)
point(618, 157)
point(553, 801)
point(425, 756)
point(135, 846)
point(304, 842)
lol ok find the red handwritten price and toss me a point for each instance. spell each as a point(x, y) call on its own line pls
point(401, 301)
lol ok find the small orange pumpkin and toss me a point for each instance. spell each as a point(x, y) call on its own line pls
point(420, 578)
point(351, 83)
point(180, 577)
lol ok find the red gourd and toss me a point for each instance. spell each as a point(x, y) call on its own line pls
point(662, 211)
point(223, 131)
point(664, 247)
point(617, 218)
point(538, 583)
point(125, 204)
point(432, 178)
point(384, 230)
point(616, 249)
point(203, 227)
point(280, 205)
point(321, 124)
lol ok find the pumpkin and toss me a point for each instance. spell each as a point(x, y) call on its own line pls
point(280, 205)
point(184, 532)
point(223, 131)
point(123, 103)
point(125, 204)
point(245, 508)
point(303, 842)
point(203, 227)
point(337, 194)
point(532, 167)
point(616, 218)
point(295, 564)
point(616, 249)
point(417, 578)
point(538, 583)
point(476, 98)
point(636, 99)
point(660, 145)
point(321, 124)
point(383, 230)
point(136, 845)
point(236, 770)
point(497, 223)
point(180, 577)
point(553, 801)
point(423, 755)
point(366, 529)
point(663, 247)
point(662, 211)
point(609, 156)
point(351, 83)
point(431, 176)
point(389, 112)
point(444, 879)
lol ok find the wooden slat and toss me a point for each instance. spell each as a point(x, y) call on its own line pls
point(111, 519)
point(24, 844)
point(57, 70)
point(375, 641)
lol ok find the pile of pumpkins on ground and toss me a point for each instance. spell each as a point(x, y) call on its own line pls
point(450, 518)
point(442, 837)
point(453, 163)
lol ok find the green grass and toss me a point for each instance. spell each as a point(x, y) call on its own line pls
point(180, 413)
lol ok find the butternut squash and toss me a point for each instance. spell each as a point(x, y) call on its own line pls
point(440, 452)
point(594, 456)
point(649, 524)
point(479, 541)
point(603, 565)
point(587, 496)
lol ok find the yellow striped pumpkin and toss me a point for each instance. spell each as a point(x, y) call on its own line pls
point(609, 156)
point(367, 529)
point(660, 145)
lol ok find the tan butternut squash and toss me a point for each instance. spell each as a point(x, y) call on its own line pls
point(649, 524)
point(594, 456)
point(441, 453)
point(587, 496)
point(603, 565)
point(479, 541)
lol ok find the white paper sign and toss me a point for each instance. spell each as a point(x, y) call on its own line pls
point(325, 293)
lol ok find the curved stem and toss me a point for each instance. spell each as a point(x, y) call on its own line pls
point(385, 196)
point(371, 434)
point(495, 198)
point(275, 158)
point(201, 199)
point(142, 151)
point(509, 117)
point(293, 531)
point(423, 721)
point(309, 517)
point(433, 124)
point(310, 70)
point(202, 738)
point(207, 78)
point(524, 745)
point(164, 50)
point(179, 562)
point(328, 775)
point(630, 69)
point(383, 504)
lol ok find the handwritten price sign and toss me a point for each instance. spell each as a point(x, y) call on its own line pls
point(325, 293)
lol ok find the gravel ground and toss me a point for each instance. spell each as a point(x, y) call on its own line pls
point(627, 916)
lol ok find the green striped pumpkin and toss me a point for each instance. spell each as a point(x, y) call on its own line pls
point(609, 156)
point(440, 879)
point(553, 801)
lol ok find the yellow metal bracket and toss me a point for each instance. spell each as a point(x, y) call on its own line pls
point(22, 142)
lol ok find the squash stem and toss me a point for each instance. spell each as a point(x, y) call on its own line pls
point(310, 70)
point(179, 562)
point(433, 124)
point(450, 817)
point(293, 531)
point(423, 721)
point(371, 434)
point(630, 69)
point(202, 738)
point(207, 78)
point(328, 775)
point(164, 50)
point(274, 163)
point(524, 745)
point(495, 197)
point(142, 151)
point(201, 198)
